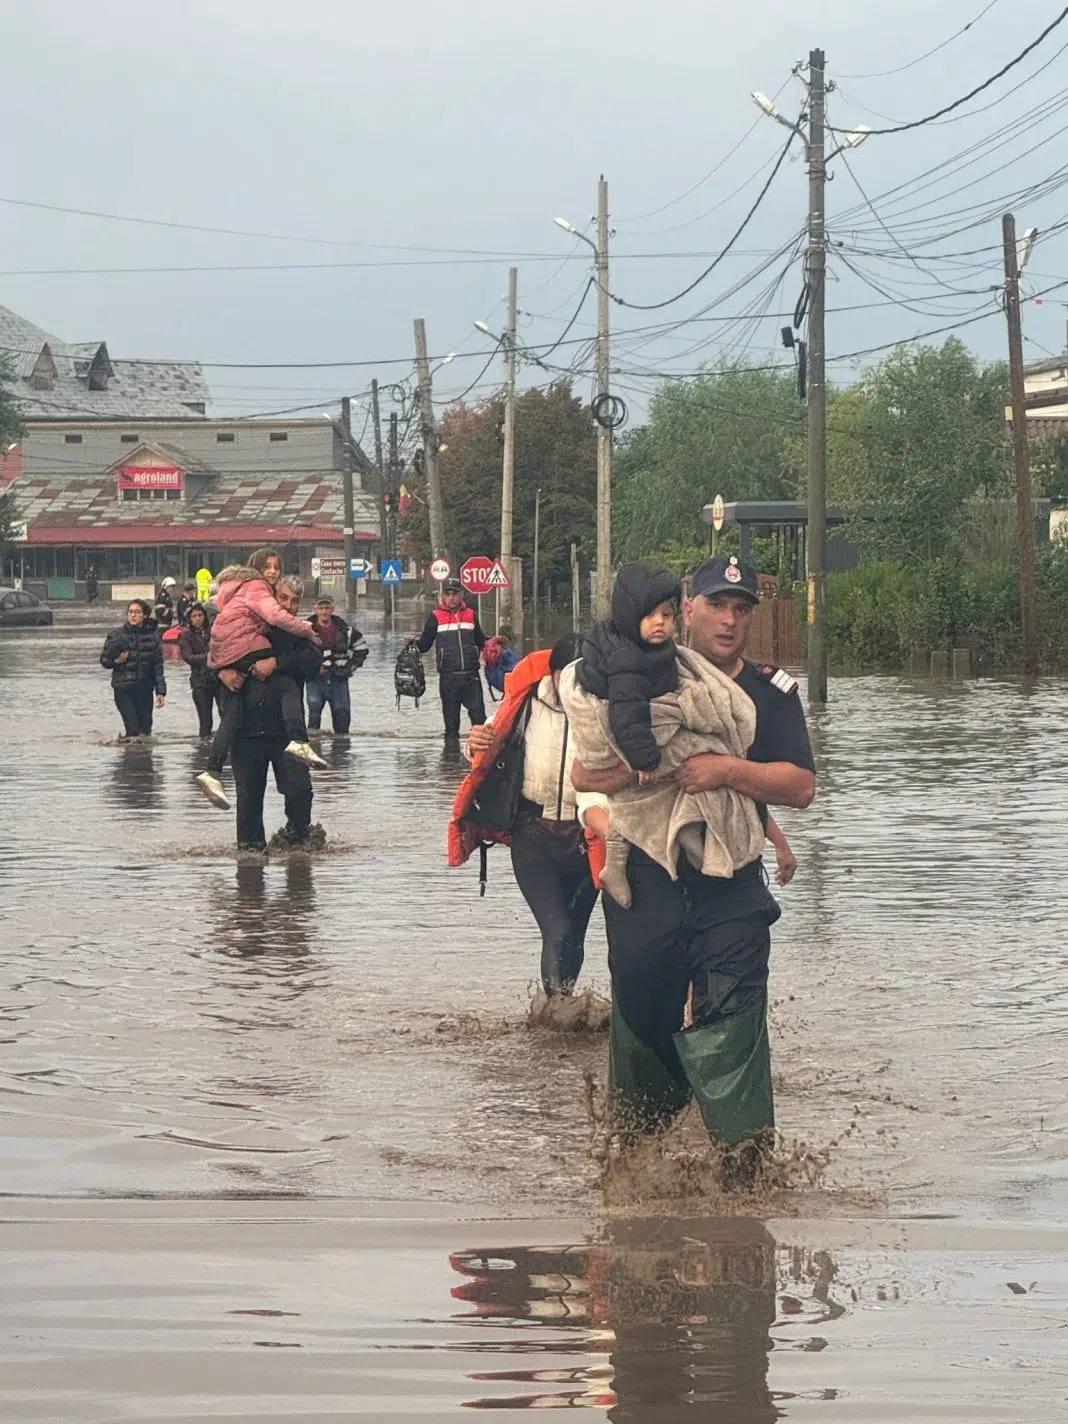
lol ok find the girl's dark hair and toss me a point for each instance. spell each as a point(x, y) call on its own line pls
point(565, 651)
point(144, 605)
point(258, 560)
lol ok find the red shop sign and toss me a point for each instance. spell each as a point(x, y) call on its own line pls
point(163, 477)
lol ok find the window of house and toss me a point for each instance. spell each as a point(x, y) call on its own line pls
point(128, 496)
point(73, 439)
point(277, 436)
point(172, 494)
point(225, 437)
point(129, 439)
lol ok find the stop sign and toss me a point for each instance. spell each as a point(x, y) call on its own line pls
point(475, 575)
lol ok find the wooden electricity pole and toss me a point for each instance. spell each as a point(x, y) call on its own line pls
point(430, 444)
point(1021, 455)
point(351, 590)
point(380, 470)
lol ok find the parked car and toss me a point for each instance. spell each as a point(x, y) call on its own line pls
point(21, 610)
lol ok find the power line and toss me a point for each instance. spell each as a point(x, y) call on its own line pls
point(973, 93)
point(669, 301)
point(886, 73)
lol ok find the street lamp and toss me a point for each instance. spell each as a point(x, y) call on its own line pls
point(573, 230)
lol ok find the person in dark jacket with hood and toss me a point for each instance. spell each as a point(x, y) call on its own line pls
point(134, 653)
point(629, 659)
point(193, 644)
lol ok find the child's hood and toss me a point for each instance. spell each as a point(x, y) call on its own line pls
point(639, 589)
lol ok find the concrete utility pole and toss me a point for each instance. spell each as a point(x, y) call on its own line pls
point(816, 531)
point(537, 572)
point(430, 444)
point(1021, 455)
point(504, 595)
point(350, 502)
point(604, 434)
point(393, 514)
point(380, 470)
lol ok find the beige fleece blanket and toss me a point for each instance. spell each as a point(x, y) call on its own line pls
point(720, 830)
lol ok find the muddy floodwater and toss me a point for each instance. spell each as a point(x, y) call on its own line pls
point(281, 1142)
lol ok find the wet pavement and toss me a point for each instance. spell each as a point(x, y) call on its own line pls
point(175, 1023)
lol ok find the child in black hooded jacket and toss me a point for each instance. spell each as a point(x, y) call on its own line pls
point(629, 659)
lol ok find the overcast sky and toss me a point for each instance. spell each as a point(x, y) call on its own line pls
point(408, 140)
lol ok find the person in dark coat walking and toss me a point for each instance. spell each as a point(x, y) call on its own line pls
point(92, 587)
point(193, 643)
point(455, 633)
point(134, 654)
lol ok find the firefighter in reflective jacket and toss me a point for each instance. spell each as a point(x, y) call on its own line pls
point(453, 631)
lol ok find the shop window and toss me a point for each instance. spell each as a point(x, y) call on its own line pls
point(145, 561)
point(72, 440)
point(225, 437)
point(64, 562)
point(123, 563)
point(276, 437)
point(129, 439)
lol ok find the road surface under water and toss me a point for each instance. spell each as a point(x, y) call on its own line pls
point(201, 1034)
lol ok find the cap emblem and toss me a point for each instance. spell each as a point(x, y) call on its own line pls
point(732, 573)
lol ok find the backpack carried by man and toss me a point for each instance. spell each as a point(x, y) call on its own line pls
point(409, 675)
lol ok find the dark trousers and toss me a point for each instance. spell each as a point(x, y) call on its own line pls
point(135, 704)
point(252, 758)
point(281, 686)
point(553, 874)
point(204, 702)
point(461, 689)
point(713, 934)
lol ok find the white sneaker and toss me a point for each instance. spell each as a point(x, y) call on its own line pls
point(305, 752)
point(212, 788)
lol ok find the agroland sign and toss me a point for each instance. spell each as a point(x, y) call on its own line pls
point(151, 477)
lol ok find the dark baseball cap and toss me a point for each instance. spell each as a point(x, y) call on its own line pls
point(452, 585)
point(716, 576)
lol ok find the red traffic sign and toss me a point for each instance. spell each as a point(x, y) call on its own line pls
point(481, 575)
point(440, 570)
point(475, 575)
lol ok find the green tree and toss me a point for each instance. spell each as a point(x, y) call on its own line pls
point(911, 443)
point(555, 452)
point(733, 432)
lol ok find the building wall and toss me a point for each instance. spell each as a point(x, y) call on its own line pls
point(89, 447)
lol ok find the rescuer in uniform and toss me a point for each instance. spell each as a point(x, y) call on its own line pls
point(709, 934)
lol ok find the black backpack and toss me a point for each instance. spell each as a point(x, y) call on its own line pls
point(409, 675)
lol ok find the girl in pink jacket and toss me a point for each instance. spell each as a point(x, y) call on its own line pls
point(248, 609)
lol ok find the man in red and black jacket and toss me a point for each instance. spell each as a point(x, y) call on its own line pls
point(453, 630)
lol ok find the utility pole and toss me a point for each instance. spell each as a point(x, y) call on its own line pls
point(604, 433)
point(381, 472)
point(504, 595)
point(350, 502)
point(1021, 455)
point(430, 443)
point(576, 591)
point(816, 531)
point(537, 550)
point(394, 512)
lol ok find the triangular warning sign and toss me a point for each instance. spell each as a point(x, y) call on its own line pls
point(392, 574)
point(498, 577)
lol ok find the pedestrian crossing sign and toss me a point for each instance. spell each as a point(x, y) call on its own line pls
point(498, 576)
point(389, 571)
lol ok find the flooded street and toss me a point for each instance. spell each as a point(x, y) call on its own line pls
point(310, 1087)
